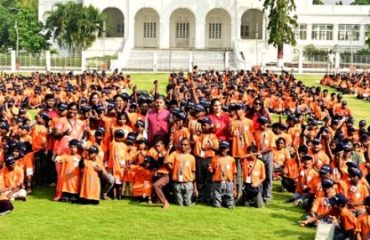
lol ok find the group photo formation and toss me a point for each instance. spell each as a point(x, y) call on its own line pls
point(205, 119)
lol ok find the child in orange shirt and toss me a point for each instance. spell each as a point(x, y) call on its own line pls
point(223, 169)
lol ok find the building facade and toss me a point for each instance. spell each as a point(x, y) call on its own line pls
point(238, 26)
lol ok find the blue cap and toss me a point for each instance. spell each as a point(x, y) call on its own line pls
point(327, 183)
point(131, 137)
point(199, 108)
point(45, 116)
point(74, 142)
point(100, 131)
point(140, 123)
point(355, 172)
point(93, 149)
point(224, 144)
point(119, 133)
point(205, 120)
point(338, 199)
point(325, 169)
point(62, 107)
point(263, 120)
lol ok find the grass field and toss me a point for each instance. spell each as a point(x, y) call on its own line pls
point(40, 218)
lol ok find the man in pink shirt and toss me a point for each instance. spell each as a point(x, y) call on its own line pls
point(158, 121)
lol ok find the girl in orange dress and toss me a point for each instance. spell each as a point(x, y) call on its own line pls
point(69, 181)
point(118, 159)
point(90, 181)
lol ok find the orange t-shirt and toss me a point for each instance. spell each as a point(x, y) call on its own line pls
point(291, 169)
point(13, 178)
point(265, 139)
point(223, 168)
point(321, 206)
point(363, 226)
point(205, 145)
point(242, 137)
point(253, 171)
point(183, 167)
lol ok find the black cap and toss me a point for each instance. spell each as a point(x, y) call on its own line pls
point(307, 158)
point(93, 149)
point(199, 108)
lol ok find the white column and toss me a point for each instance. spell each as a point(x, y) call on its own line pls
point(226, 64)
point(13, 61)
point(83, 61)
point(155, 62)
point(190, 64)
point(300, 61)
point(164, 35)
point(362, 34)
point(200, 35)
point(337, 61)
point(48, 61)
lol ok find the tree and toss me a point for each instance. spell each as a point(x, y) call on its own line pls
point(74, 26)
point(30, 29)
point(361, 2)
point(281, 25)
point(318, 2)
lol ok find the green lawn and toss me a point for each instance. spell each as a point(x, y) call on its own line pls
point(40, 218)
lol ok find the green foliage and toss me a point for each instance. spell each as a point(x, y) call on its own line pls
point(318, 2)
point(281, 24)
point(361, 2)
point(31, 37)
point(310, 50)
point(24, 12)
point(74, 26)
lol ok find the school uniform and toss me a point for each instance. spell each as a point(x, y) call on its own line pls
point(223, 171)
point(183, 176)
point(253, 172)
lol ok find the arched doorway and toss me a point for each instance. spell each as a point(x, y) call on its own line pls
point(252, 24)
point(218, 29)
point(114, 22)
point(182, 29)
point(147, 28)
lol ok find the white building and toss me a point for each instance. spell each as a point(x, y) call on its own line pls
point(169, 34)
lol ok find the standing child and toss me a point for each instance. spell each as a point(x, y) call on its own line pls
point(223, 171)
point(90, 180)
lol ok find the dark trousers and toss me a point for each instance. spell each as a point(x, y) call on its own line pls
point(253, 200)
point(267, 184)
point(159, 185)
point(5, 207)
point(51, 173)
point(39, 177)
point(289, 184)
point(204, 179)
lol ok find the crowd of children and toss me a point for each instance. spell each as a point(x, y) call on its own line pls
point(214, 137)
point(350, 83)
